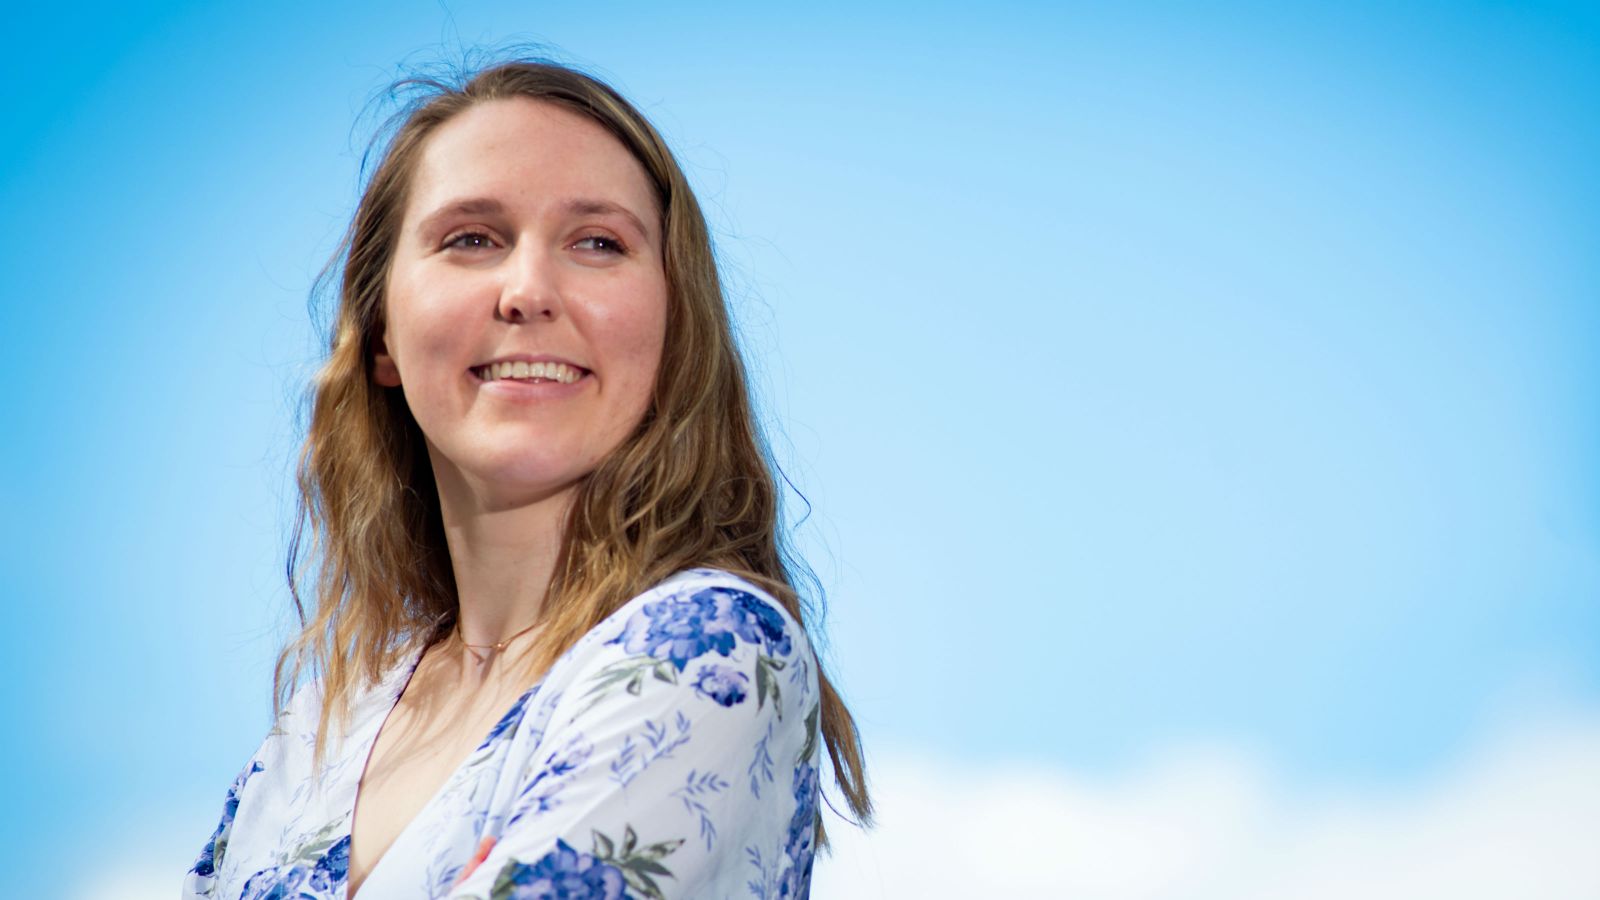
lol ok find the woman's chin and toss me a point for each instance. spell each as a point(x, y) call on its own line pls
point(516, 482)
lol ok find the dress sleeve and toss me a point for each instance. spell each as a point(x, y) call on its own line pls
point(666, 768)
point(203, 874)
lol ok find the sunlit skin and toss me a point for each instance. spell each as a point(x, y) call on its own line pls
point(548, 274)
point(568, 264)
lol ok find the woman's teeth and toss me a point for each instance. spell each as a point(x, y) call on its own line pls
point(525, 371)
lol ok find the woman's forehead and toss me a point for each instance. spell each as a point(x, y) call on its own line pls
point(529, 155)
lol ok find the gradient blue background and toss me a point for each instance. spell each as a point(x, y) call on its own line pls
point(1155, 373)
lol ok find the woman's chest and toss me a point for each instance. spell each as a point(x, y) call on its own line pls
point(423, 747)
point(411, 763)
point(296, 820)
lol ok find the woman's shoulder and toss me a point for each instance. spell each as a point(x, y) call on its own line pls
point(708, 578)
point(721, 608)
point(703, 577)
point(704, 631)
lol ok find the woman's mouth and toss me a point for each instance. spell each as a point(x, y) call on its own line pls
point(537, 372)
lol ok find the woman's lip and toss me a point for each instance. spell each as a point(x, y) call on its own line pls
point(531, 358)
point(543, 388)
point(552, 369)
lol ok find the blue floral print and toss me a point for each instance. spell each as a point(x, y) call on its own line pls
point(657, 759)
point(640, 864)
point(722, 684)
point(664, 636)
point(563, 873)
point(323, 878)
point(799, 848)
point(683, 628)
point(509, 720)
point(205, 866)
point(542, 794)
point(766, 618)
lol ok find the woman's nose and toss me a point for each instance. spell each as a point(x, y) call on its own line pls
point(530, 289)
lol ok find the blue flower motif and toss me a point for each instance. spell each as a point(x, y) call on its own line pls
point(802, 825)
point(510, 720)
point(720, 683)
point(298, 881)
point(680, 628)
point(767, 620)
point(333, 868)
point(205, 866)
point(276, 883)
point(677, 629)
point(562, 874)
point(795, 883)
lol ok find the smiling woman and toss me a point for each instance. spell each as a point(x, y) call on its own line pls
point(519, 244)
point(556, 646)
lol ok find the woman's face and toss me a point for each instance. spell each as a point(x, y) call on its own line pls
point(531, 237)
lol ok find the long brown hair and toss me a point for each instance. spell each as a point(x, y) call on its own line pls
point(690, 487)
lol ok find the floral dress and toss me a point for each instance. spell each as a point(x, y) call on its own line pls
point(671, 752)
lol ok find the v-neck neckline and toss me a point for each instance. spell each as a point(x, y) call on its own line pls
point(371, 744)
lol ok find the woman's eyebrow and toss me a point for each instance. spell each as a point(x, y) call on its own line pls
point(585, 206)
point(582, 206)
point(472, 206)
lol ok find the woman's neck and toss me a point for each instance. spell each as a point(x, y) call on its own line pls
point(503, 552)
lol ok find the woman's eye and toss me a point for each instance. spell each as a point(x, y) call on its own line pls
point(602, 243)
point(481, 239)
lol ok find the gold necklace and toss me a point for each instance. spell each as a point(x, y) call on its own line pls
point(496, 647)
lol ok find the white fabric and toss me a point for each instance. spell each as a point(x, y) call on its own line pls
point(671, 752)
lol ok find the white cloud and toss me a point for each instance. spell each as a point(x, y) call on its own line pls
point(1520, 817)
point(154, 857)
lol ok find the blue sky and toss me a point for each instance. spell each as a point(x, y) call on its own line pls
point(1156, 373)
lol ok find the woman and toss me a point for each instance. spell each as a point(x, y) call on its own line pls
point(557, 650)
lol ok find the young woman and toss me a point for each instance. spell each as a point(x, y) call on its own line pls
point(556, 647)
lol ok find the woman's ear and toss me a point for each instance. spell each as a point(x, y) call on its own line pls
point(384, 371)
